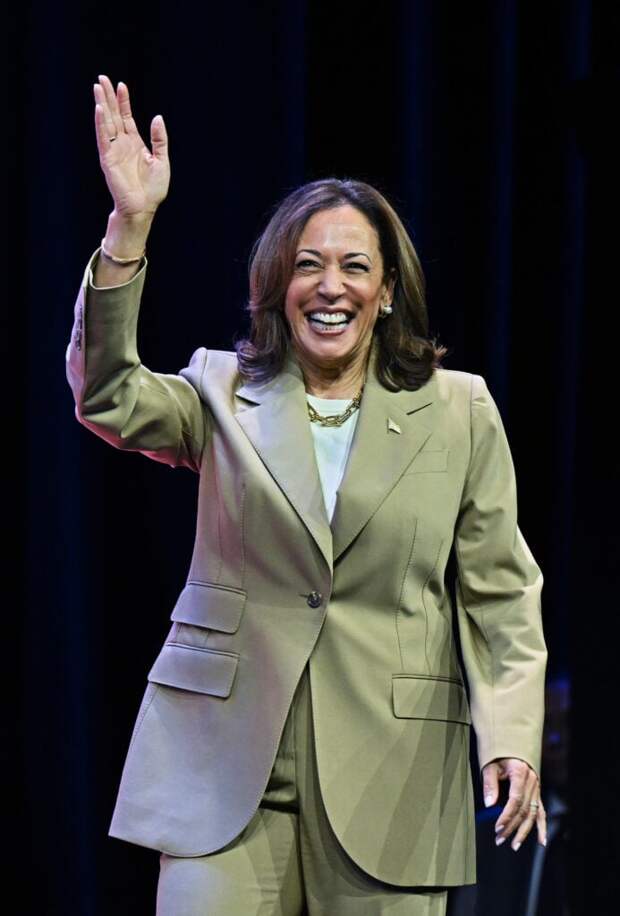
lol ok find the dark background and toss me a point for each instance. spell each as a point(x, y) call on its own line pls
point(490, 128)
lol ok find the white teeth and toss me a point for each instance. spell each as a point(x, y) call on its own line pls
point(329, 318)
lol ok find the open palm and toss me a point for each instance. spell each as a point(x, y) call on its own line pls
point(138, 178)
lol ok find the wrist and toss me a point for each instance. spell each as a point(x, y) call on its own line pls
point(119, 261)
point(132, 220)
point(126, 236)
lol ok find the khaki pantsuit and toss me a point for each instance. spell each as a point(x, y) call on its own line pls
point(287, 861)
point(354, 608)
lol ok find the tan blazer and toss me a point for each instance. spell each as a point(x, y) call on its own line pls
point(272, 585)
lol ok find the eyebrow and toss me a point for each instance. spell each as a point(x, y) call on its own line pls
point(350, 254)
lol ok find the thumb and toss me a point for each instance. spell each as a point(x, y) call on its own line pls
point(159, 137)
point(490, 784)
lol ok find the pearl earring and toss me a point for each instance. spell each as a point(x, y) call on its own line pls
point(385, 311)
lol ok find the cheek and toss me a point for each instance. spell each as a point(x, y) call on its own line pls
point(369, 315)
point(294, 319)
point(293, 301)
point(291, 308)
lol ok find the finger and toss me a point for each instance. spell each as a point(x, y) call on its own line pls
point(159, 138)
point(102, 131)
point(106, 119)
point(530, 797)
point(524, 829)
point(541, 825)
point(491, 785)
point(124, 108)
point(507, 820)
point(112, 101)
point(529, 812)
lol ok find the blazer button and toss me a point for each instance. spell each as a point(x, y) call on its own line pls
point(314, 599)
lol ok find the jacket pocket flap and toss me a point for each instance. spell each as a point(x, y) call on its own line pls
point(189, 668)
point(429, 460)
point(218, 607)
point(418, 696)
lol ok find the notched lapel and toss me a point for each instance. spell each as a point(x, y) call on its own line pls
point(276, 423)
point(391, 429)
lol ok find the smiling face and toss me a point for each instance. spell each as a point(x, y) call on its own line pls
point(338, 274)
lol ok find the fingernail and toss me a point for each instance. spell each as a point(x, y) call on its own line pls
point(516, 845)
point(488, 800)
point(544, 841)
point(499, 840)
point(498, 827)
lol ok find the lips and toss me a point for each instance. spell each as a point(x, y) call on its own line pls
point(342, 318)
point(322, 317)
point(326, 329)
point(324, 311)
point(331, 324)
point(331, 310)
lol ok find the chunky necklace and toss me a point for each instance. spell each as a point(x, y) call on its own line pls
point(335, 419)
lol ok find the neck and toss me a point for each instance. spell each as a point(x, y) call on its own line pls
point(342, 381)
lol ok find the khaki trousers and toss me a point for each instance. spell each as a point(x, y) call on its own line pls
point(287, 861)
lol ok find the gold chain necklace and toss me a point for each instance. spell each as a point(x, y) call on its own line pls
point(335, 419)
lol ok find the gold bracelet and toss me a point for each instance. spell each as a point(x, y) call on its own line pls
point(121, 261)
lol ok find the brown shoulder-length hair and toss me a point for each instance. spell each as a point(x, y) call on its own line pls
point(406, 357)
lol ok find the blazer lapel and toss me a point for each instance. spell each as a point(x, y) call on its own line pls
point(278, 427)
point(388, 435)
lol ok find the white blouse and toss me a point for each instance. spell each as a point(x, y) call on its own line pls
point(332, 445)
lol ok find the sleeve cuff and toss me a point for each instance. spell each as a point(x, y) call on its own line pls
point(92, 263)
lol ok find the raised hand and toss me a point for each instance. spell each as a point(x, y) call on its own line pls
point(138, 178)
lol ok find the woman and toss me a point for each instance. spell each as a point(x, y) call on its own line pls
point(303, 740)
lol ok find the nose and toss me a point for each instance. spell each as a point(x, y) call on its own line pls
point(331, 285)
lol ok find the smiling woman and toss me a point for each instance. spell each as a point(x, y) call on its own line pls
point(336, 250)
point(303, 740)
point(333, 301)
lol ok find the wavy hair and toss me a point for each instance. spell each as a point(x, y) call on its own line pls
point(406, 357)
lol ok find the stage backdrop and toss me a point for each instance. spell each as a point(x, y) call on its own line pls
point(488, 127)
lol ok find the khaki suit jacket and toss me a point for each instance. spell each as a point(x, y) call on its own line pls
point(273, 585)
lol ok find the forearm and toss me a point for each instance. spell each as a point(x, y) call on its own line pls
point(116, 396)
point(499, 597)
point(124, 238)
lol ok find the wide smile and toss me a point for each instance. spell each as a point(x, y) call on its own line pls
point(330, 325)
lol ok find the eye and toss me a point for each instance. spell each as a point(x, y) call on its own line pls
point(356, 264)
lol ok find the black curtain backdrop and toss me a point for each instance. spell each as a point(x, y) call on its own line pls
point(489, 126)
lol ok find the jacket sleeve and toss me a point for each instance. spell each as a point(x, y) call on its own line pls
point(115, 395)
point(498, 594)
